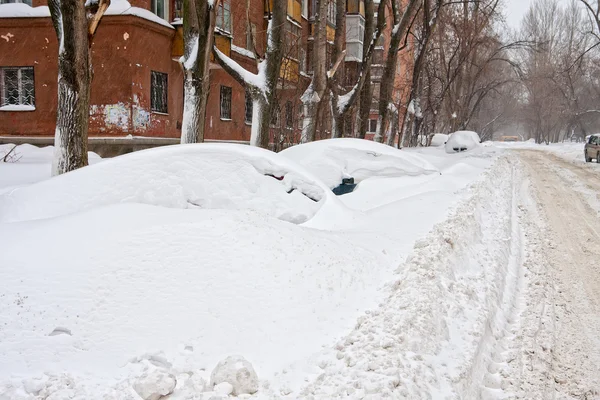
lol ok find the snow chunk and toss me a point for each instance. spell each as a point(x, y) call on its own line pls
point(155, 384)
point(462, 141)
point(22, 10)
point(117, 7)
point(242, 51)
point(208, 176)
point(237, 372)
point(334, 159)
point(17, 107)
point(439, 139)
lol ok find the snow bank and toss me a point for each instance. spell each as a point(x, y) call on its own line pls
point(439, 139)
point(443, 328)
point(149, 293)
point(28, 164)
point(462, 141)
point(214, 176)
point(21, 10)
point(117, 7)
point(334, 159)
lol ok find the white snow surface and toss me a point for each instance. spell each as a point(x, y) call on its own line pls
point(28, 164)
point(183, 176)
point(117, 7)
point(127, 300)
point(21, 10)
point(439, 139)
point(17, 107)
point(462, 139)
point(334, 159)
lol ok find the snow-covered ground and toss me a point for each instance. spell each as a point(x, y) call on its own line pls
point(115, 287)
point(135, 277)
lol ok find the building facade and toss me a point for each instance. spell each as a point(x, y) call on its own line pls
point(137, 90)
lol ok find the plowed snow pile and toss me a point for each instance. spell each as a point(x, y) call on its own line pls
point(335, 159)
point(134, 278)
point(201, 176)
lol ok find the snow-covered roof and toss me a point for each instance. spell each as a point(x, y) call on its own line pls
point(117, 7)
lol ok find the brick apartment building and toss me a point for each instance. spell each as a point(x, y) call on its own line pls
point(138, 82)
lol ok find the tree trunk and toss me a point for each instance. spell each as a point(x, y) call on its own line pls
point(198, 32)
point(366, 94)
point(74, 78)
point(75, 27)
point(401, 26)
point(263, 85)
point(313, 96)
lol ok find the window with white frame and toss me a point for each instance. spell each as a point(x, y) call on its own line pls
point(17, 86)
point(249, 108)
point(159, 92)
point(225, 102)
point(289, 115)
point(331, 12)
point(250, 36)
point(305, 8)
point(160, 7)
point(28, 2)
point(276, 110)
point(373, 125)
point(224, 16)
point(292, 40)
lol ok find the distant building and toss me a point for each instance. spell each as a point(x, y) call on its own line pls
point(138, 82)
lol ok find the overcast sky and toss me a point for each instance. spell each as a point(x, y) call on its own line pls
point(515, 10)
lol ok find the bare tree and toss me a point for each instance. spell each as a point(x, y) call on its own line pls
point(315, 92)
point(75, 23)
point(342, 104)
point(198, 33)
point(262, 85)
point(403, 17)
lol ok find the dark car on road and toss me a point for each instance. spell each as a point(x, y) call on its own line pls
point(592, 149)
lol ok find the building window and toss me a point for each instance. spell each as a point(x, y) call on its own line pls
point(159, 92)
point(250, 36)
point(225, 102)
point(28, 2)
point(224, 16)
point(292, 35)
point(289, 115)
point(275, 116)
point(178, 9)
point(17, 86)
point(302, 59)
point(159, 7)
point(331, 12)
point(305, 8)
point(249, 109)
point(372, 125)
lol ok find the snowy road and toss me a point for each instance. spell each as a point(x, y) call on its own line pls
point(559, 335)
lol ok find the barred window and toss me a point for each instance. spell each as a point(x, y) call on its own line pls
point(159, 93)
point(289, 115)
point(225, 102)
point(17, 86)
point(248, 113)
point(224, 16)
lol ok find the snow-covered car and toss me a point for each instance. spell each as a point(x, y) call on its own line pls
point(438, 139)
point(592, 148)
point(342, 162)
point(462, 141)
point(208, 176)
